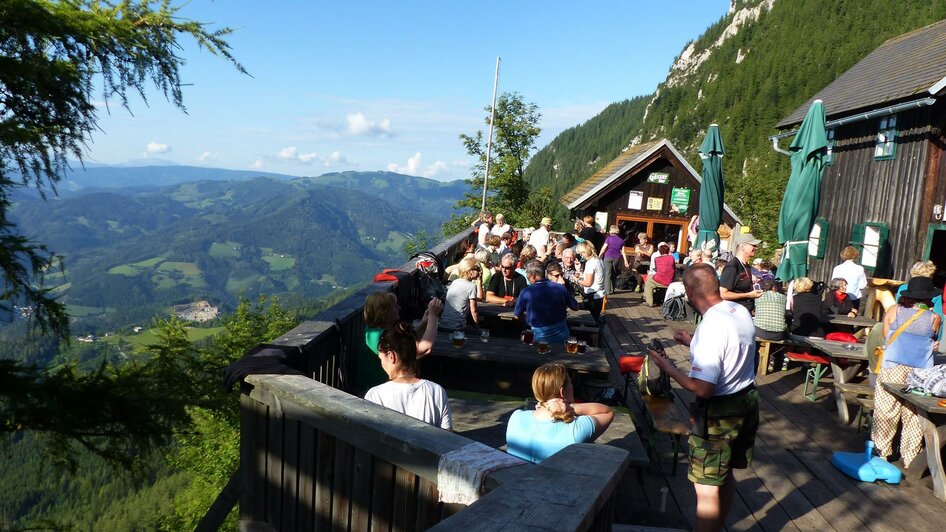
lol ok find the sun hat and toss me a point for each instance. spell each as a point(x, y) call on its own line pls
point(921, 288)
point(747, 238)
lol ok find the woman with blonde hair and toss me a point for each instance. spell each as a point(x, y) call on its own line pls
point(809, 315)
point(557, 421)
point(462, 296)
point(592, 279)
point(404, 390)
point(612, 251)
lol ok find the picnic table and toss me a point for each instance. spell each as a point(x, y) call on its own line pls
point(839, 351)
point(858, 324)
point(580, 322)
point(933, 421)
point(507, 363)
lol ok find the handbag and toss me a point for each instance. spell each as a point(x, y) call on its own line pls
point(658, 386)
point(879, 350)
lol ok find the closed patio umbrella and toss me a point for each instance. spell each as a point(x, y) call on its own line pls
point(803, 193)
point(711, 189)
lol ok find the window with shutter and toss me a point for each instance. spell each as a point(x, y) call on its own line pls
point(818, 240)
point(870, 239)
point(829, 156)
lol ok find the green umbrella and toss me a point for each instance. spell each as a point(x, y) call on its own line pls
point(803, 193)
point(711, 190)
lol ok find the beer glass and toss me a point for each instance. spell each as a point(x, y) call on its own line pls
point(459, 338)
point(571, 345)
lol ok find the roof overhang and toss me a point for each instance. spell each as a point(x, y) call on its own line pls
point(868, 115)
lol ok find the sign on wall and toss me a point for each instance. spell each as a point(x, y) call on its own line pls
point(658, 177)
point(655, 204)
point(636, 200)
point(679, 200)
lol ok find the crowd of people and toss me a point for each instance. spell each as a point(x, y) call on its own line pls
point(740, 298)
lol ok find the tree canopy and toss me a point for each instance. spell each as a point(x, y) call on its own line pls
point(55, 58)
point(516, 128)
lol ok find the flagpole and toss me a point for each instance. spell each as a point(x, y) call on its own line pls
point(489, 141)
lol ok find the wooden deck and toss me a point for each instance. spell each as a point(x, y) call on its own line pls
point(791, 484)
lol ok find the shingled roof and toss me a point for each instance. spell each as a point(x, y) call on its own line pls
point(626, 158)
point(907, 67)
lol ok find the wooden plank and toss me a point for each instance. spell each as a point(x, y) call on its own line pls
point(253, 431)
point(274, 469)
point(342, 487)
point(382, 496)
point(429, 509)
point(309, 448)
point(324, 478)
point(362, 477)
point(290, 476)
point(405, 500)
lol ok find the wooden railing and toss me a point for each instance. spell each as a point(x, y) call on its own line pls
point(317, 458)
point(314, 457)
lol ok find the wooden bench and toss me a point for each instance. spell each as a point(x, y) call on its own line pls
point(666, 416)
point(765, 350)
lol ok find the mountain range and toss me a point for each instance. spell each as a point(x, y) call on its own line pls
point(137, 240)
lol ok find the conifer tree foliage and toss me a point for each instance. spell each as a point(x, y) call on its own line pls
point(516, 127)
point(55, 58)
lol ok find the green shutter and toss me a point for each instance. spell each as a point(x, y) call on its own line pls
point(858, 234)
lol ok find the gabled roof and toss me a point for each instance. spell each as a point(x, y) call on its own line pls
point(629, 162)
point(904, 68)
point(627, 159)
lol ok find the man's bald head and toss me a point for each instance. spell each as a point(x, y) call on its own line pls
point(702, 286)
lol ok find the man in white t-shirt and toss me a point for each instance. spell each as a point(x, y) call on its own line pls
point(540, 238)
point(722, 377)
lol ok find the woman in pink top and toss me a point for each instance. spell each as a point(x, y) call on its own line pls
point(664, 270)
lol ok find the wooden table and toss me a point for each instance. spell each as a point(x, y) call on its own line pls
point(505, 366)
point(580, 322)
point(933, 421)
point(859, 324)
point(837, 351)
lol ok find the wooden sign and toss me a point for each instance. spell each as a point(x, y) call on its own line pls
point(658, 177)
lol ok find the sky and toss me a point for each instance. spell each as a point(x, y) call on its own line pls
point(354, 85)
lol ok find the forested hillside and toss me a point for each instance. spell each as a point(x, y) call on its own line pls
point(746, 72)
point(133, 252)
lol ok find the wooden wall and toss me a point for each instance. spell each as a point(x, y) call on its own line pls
point(858, 188)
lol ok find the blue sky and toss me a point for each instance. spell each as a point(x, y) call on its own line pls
point(390, 85)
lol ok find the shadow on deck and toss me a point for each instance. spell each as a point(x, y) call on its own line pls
point(791, 484)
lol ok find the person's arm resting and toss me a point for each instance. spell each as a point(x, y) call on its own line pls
point(601, 414)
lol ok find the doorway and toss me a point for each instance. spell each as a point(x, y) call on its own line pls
point(936, 252)
point(658, 229)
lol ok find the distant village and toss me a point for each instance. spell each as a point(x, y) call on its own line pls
point(199, 311)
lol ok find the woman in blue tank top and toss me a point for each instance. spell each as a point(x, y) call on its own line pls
point(911, 348)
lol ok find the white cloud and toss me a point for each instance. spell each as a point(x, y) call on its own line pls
point(436, 169)
point(413, 163)
point(289, 152)
point(156, 148)
point(206, 157)
point(359, 125)
point(257, 164)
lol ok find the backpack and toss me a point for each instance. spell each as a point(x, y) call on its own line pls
point(674, 309)
point(407, 291)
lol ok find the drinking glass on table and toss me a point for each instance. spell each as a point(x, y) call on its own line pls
point(484, 335)
point(459, 338)
point(582, 347)
point(542, 347)
point(527, 336)
point(571, 345)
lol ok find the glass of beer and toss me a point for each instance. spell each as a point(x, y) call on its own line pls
point(484, 335)
point(527, 336)
point(459, 338)
point(542, 347)
point(571, 345)
point(582, 347)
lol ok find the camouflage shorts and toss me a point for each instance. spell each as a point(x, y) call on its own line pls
point(731, 424)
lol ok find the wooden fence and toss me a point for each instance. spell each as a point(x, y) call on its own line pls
point(313, 457)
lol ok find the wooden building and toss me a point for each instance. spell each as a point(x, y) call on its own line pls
point(885, 186)
point(649, 188)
